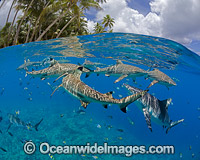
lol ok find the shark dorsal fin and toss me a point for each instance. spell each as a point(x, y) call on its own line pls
point(119, 62)
point(109, 94)
point(166, 102)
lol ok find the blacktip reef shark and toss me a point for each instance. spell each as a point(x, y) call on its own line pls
point(56, 69)
point(28, 63)
point(15, 120)
point(122, 70)
point(73, 85)
point(159, 77)
point(45, 62)
point(153, 109)
point(90, 64)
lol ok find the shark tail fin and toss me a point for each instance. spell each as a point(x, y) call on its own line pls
point(173, 124)
point(130, 99)
point(36, 125)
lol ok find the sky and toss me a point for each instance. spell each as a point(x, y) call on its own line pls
point(178, 20)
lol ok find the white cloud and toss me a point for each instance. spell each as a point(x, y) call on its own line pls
point(175, 19)
point(91, 25)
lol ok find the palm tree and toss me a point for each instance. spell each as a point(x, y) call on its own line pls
point(78, 12)
point(46, 8)
point(19, 26)
point(11, 27)
point(69, 5)
point(98, 28)
point(108, 21)
point(14, 1)
point(2, 3)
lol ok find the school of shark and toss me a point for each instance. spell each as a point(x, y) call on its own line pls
point(153, 109)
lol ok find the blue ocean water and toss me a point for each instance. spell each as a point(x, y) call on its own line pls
point(62, 125)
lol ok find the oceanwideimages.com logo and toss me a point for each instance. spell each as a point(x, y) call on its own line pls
point(129, 150)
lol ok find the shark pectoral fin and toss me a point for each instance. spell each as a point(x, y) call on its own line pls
point(107, 75)
point(61, 76)
point(152, 83)
point(109, 94)
point(173, 124)
point(42, 78)
point(147, 118)
point(120, 78)
point(84, 104)
point(56, 89)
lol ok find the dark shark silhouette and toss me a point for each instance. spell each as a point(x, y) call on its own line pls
point(154, 109)
point(15, 120)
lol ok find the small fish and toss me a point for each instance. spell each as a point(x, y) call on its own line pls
point(10, 134)
point(120, 138)
point(199, 117)
point(117, 88)
point(181, 155)
point(17, 112)
point(190, 147)
point(109, 127)
point(83, 155)
point(29, 99)
point(95, 157)
point(1, 132)
point(193, 155)
point(2, 91)
point(25, 88)
point(51, 156)
point(198, 109)
point(3, 149)
point(64, 142)
point(99, 126)
point(130, 121)
point(111, 117)
point(120, 130)
point(61, 115)
point(106, 139)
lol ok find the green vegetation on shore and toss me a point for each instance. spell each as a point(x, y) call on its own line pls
point(48, 19)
